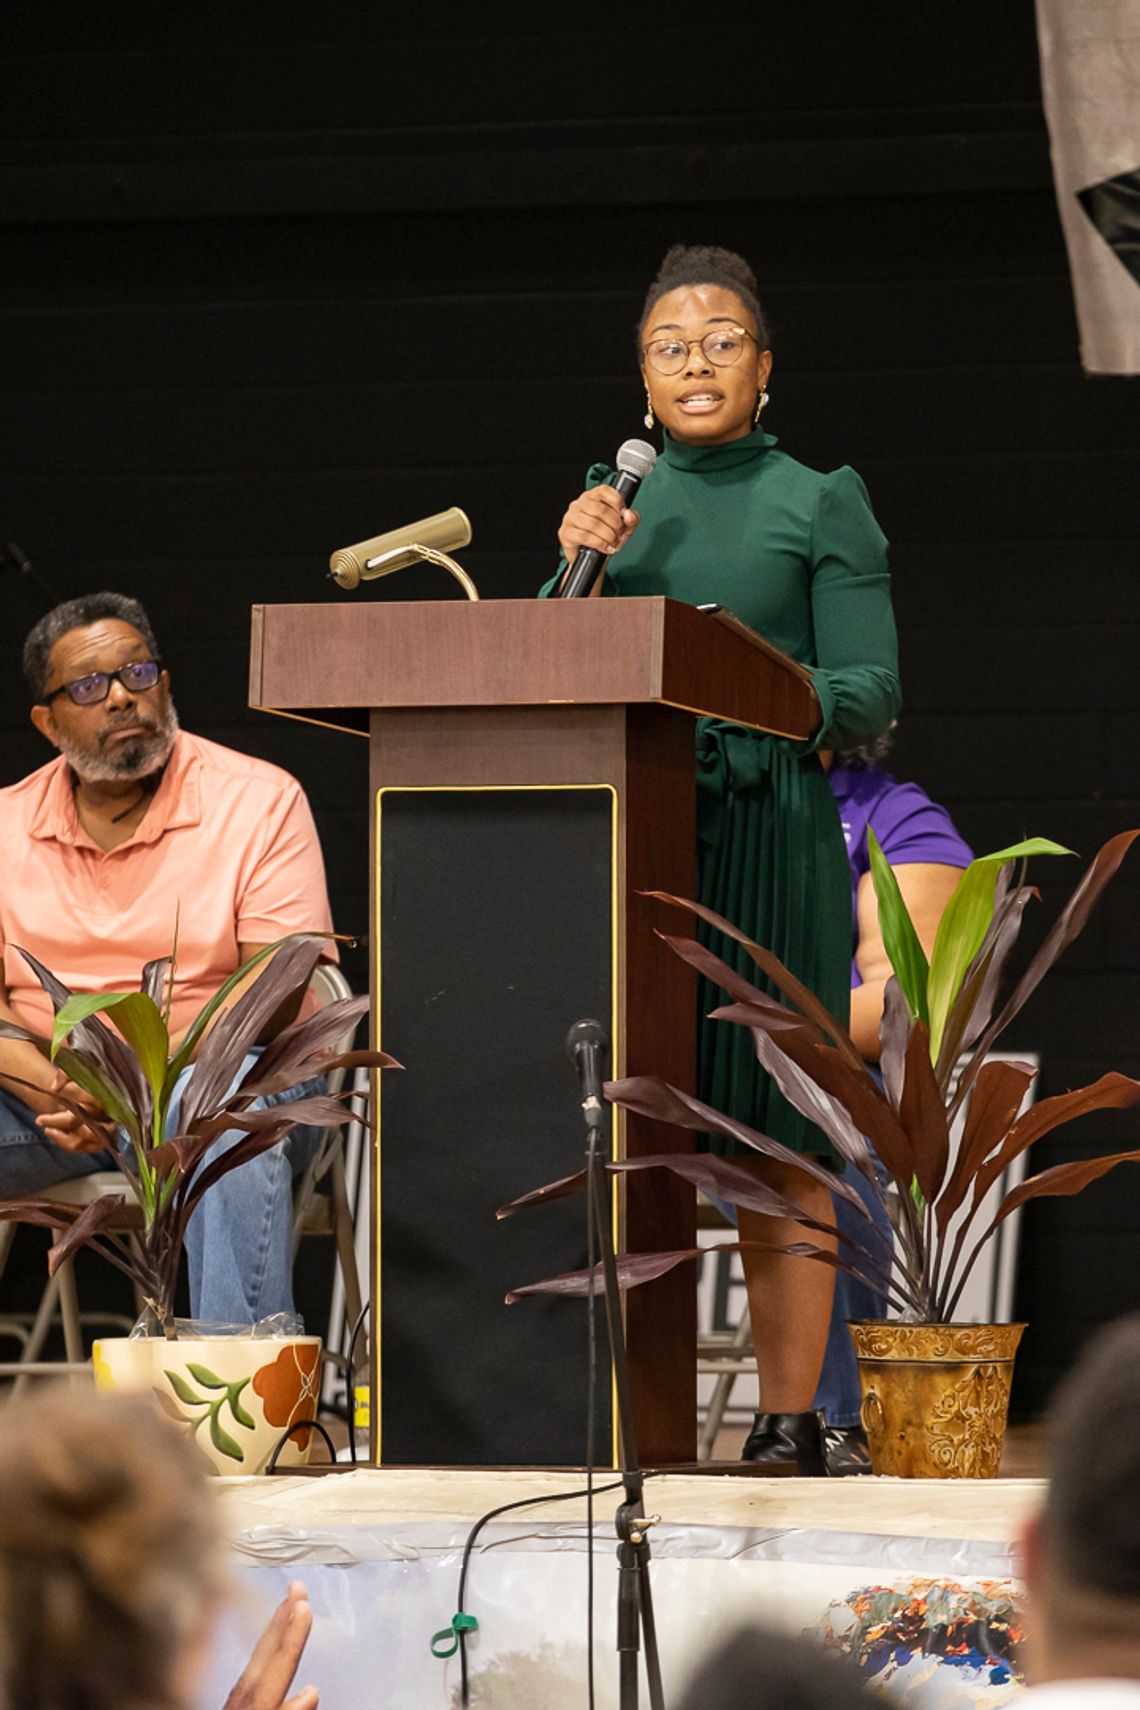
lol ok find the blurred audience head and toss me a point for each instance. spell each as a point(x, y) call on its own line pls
point(760, 1669)
point(110, 1555)
point(1082, 1553)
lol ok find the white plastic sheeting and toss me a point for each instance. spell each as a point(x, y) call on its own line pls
point(799, 1555)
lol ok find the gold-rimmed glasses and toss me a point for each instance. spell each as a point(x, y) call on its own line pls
point(722, 346)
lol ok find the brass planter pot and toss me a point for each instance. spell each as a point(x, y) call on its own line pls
point(935, 1396)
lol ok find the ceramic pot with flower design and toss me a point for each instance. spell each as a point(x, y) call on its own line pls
point(234, 1395)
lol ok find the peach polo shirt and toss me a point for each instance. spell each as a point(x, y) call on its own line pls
point(228, 843)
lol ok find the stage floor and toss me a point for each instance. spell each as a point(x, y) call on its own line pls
point(915, 1578)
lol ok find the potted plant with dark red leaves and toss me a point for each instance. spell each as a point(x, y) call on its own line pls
point(234, 1393)
point(935, 1391)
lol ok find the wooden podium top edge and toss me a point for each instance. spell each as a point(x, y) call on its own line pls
point(320, 660)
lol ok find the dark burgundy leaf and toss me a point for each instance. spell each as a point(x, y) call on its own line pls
point(856, 1092)
point(774, 1017)
point(993, 1109)
point(223, 1049)
point(10, 1030)
point(923, 1115)
point(1068, 926)
point(870, 1111)
point(894, 1035)
point(561, 1189)
point(153, 981)
point(45, 1213)
point(1111, 1092)
point(749, 998)
point(310, 1068)
point(727, 1180)
point(190, 1192)
point(1061, 1181)
point(649, 1096)
point(302, 1040)
point(781, 977)
point(634, 1269)
point(109, 1052)
point(805, 1094)
point(318, 1110)
point(108, 1208)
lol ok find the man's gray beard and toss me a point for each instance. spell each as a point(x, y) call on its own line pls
point(126, 761)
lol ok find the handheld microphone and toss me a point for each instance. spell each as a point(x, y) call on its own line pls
point(635, 461)
point(587, 1045)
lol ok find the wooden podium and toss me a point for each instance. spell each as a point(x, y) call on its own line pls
point(532, 772)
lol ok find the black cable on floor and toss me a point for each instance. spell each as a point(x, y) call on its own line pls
point(462, 1623)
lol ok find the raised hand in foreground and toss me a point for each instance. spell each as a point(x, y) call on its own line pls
point(268, 1675)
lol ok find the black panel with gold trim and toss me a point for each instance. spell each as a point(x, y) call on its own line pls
point(495, 932)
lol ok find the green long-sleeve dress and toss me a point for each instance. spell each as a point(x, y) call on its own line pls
point(798, 556)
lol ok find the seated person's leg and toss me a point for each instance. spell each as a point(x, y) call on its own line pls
point(31, 1164)
point(239, 1242)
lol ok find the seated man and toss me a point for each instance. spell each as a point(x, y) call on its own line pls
point(927, 856)
point(138, 824)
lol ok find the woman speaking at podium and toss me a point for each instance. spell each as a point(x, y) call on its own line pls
point(727, 519)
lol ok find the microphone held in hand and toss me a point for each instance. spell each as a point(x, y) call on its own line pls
point(635, 461)
point(587, 1046)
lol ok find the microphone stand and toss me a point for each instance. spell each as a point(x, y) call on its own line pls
point(635, 1620)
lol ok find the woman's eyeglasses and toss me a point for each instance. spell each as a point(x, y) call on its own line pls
point(722, 347)
point(86, 691)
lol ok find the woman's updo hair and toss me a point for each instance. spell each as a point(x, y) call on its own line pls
point(110, 1553)
point(706, 264)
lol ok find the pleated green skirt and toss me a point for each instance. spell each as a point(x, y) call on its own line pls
point(773, 862)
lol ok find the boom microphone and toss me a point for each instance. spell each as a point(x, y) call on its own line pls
point(635, 461)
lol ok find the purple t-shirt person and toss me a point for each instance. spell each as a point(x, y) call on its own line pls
point(909, 826)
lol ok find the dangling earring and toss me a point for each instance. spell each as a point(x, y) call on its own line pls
point(760, 402)
point(650, 418)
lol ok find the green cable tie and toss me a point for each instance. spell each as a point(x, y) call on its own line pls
point(460, 1624)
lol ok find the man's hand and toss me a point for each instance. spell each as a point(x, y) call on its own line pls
point(269, 1672)
point(94, 1131)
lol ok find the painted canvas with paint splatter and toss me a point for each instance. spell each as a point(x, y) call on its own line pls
point(934, 1642)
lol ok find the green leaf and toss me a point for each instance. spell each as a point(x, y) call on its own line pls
point(140, 1022)
point(173, 969)
point(79, 1007)
point(236, 1408)
point(182, 1389)
point(223, 1442)
point(102, 1086)
point(1027, 847)
point(900, 940)
point(205, 1376)
point(959, 938)
point(963, 927)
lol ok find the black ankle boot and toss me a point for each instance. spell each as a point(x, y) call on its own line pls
point(782, 1437)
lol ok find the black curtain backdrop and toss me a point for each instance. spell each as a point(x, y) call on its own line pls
point(275, 279)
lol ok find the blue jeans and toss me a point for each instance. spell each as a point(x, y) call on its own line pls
point(838, 1396)
point(239, 1242)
